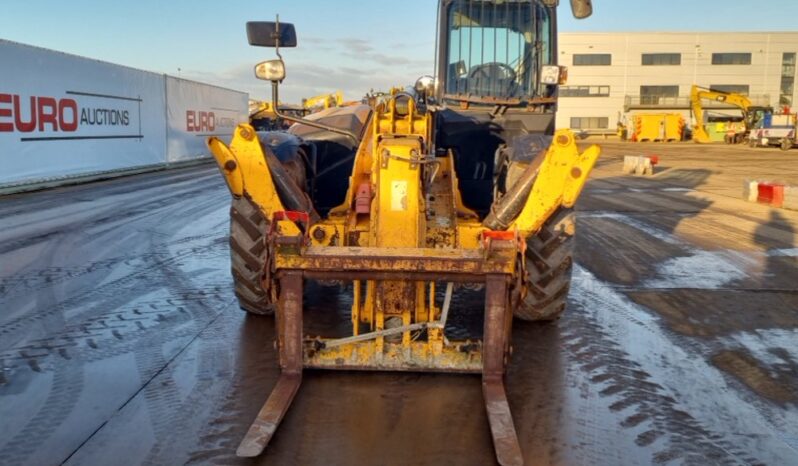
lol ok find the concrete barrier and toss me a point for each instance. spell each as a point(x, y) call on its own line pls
point(791, 197)
point(750, 190)
point(639, 164)
point(770, 193)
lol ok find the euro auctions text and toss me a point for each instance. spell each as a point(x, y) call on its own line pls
point(26, 114)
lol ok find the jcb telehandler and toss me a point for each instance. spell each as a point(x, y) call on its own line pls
point(462, 179)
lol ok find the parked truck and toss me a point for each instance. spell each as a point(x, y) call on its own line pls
point(774, 130)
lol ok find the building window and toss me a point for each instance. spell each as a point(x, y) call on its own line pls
point(652, 95)
point(592, 59)
point(788, 64)
point(590, 122)
point(657, 59)
point(732, 88)
point(787, 78)
point(731, 58)
point(584, 91)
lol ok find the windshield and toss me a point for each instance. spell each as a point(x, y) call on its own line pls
point(495, 49)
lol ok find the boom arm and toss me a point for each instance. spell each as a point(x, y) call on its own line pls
point(697, 94)
point(324, 101)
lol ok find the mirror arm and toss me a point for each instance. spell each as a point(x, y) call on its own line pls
point(314, 124)
point(277, 39)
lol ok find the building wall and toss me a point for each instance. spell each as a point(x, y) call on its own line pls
point(626, 73)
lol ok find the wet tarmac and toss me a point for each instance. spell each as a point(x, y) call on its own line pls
point(120, 342)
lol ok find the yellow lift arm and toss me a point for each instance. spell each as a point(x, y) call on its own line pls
point(323, 101)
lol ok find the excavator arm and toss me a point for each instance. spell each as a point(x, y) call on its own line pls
point(323, 101)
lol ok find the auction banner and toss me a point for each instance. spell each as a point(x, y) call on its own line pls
point(196, 111)
point(63, 115)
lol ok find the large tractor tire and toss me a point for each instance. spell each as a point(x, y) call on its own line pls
point(548, 262)
point(248, 255)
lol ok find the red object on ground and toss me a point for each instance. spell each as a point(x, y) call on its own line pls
point(654, 159)
point(770, 193)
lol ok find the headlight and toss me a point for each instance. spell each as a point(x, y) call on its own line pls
point(272, 70)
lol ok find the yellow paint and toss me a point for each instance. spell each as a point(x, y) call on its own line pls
point(323, 101)
point(469, 233)
point(560, 180)
point(250, 176)
point(393, 356)
point(658, 127)
point(228, 165)
point(356, 308)
point(396, 216)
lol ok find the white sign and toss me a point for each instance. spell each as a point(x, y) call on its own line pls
point(196, 111)
point(64, 115)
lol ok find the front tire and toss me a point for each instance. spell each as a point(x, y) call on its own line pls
point(549, 262)
point(248, 256)
point(786, 144)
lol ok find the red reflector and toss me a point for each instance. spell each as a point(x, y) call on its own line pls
point(501, 235)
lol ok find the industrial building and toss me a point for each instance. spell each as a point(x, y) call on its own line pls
point(613, 76)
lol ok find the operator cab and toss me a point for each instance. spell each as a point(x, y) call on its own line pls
point(494, 51)
point(497, 88)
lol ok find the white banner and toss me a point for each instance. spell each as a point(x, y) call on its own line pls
point(196, 111)
point(63, 115)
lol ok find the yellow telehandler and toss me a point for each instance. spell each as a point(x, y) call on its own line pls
point(458, 180)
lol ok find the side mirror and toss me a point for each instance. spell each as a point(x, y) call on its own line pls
point(581, 8)
point(458, 69)
point(265, 34)
point(271, 70)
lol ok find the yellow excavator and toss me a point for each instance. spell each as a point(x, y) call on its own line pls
point(457, 183)
point(751, 113)
point(263, 117)
point(323, 101)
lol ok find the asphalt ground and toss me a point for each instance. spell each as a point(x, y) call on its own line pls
point(121, 343)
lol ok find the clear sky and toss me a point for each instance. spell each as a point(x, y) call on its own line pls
point(349, 45)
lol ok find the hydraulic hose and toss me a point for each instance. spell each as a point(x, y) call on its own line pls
point(292, 196)
point(503, 212)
